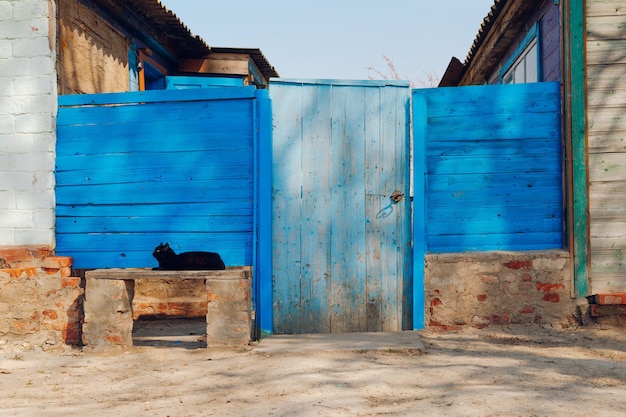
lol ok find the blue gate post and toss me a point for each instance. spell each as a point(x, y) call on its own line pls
point(264, 244)
point(420, 120)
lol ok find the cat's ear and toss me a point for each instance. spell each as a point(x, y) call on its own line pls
point(167, 245)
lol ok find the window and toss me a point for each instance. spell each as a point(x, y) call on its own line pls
point(524, 70)
point(145, 72)
point(524, 66)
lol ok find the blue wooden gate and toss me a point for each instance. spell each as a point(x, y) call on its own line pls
point(342, 246)
point(494, 162)
point(137, 169)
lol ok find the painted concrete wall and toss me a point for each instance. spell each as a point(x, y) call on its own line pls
point(28, 101)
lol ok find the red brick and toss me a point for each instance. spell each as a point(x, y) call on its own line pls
point(526, 277)
point(527, 310)
point(607, 299)
point(503, 319)
point(481, 297)
point(551, 298)
point(16, 254)
point(435, 302)
point(519, 264)
point(58, 262)
point(543, 287)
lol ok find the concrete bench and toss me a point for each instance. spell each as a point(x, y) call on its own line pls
point(108, 320)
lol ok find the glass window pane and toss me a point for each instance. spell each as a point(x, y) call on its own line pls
point(531, 64)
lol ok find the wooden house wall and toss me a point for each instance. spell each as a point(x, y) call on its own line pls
point(92, 54)
point(606, 89)
point(550, 34)
point(548, 18)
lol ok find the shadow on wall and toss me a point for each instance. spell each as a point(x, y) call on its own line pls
point(92, 56)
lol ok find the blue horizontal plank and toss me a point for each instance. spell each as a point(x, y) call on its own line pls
point(485, 181)
point(162, 136)
point(527, 211)
point(162, 224)
point(513, 242)
point(217, 208)
point(499, 225)
point(208, 112)
point(143, 167)
point(494, 99)
point(443, 165)
point(499, 127)
point(497, 147)
point(171, 192)
point(133, 242)
point(226, 93)
point(504, 198)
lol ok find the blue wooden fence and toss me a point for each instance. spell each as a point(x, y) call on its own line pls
point(137, 169)
point(493, 165)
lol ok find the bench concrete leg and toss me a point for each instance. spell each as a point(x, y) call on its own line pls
point(108, 321)
point(228, 312)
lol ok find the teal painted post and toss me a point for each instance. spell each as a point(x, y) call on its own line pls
point(420, 118)
point(264, 245)
point(577, 125)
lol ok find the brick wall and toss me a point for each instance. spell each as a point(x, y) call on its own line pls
point(39, 300)
point(481, 289)
point(27, 120)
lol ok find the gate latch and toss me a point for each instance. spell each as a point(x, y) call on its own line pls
point(396, 196)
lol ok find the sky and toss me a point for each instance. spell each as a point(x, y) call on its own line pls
point(342, 39)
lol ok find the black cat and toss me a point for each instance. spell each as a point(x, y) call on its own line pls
point(170, 261)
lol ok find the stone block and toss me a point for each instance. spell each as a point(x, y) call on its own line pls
point(108, 321)
point(228, 312)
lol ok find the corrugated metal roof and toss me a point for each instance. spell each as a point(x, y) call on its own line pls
point(172, 28)
point(485, 27)
point(188, 44)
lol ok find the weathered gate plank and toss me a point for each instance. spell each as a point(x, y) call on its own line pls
point(287, 189)
point(316, 200)
point(347, 238)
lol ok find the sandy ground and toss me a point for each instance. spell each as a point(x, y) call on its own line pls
point(513, 371)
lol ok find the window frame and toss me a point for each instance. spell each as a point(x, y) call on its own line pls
point(531, 39)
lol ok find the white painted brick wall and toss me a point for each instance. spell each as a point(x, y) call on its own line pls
point(28, 103)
